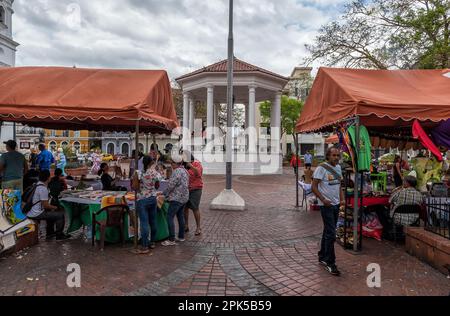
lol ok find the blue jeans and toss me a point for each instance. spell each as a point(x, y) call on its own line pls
point(177, 209)
point(330, 216)
point(147, 209)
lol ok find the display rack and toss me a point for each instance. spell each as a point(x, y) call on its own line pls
point(344, 232)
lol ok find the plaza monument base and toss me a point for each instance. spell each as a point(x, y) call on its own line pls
point(228, 200)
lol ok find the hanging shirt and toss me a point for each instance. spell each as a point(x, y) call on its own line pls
point(364, 155)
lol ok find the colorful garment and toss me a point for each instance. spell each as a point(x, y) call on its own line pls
point(421, 135)
point(148, 182)
point(44, 160)
point(364, 155)
point(178, 187)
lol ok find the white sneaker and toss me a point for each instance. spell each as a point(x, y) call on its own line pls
point(181, 240)
point(168, 243)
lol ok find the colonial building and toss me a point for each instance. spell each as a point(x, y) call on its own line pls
point(298, 87)
point(78, 141)
point(7, 54)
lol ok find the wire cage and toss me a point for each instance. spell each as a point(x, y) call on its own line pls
point(437, 216)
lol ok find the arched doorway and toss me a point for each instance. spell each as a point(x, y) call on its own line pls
point(111, 149)
point(126, 149)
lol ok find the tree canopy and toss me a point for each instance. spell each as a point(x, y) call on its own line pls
point(380, 34)
point(290, 113)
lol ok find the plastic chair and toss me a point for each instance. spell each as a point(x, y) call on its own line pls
point(412, 213)
point(115, 217)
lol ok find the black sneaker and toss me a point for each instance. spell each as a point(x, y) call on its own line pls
point(50, 237)
point(332, 269)
point(323, 263)
point(63, 237)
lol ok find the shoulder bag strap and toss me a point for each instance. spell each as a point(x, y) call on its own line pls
point(327, 167)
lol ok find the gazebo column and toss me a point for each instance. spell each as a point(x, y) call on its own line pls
point(186, 121)
point(191, 116)
point(275, 122)
point(251, 129)
point(210, 113)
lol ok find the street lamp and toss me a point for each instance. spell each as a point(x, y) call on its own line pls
point(228, 199)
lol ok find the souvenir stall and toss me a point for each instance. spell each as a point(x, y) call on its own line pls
point(89, 99)
point(361, 105)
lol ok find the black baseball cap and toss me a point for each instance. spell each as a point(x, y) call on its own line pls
point(11, 144)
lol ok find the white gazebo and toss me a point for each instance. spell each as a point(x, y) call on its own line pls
point(252, 85)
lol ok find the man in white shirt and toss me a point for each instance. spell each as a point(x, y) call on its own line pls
point(42, 210)
point(327, 187)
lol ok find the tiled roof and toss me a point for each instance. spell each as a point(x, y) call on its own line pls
point(239, 66)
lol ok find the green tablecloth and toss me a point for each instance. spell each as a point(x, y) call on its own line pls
point(79, 215)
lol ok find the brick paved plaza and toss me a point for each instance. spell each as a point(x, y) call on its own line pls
point(271, 249)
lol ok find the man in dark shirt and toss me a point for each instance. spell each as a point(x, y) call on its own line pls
point(13, 165)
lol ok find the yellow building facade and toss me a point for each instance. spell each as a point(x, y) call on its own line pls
point(77, 140)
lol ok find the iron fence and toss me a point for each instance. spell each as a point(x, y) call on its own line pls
point(437, 213)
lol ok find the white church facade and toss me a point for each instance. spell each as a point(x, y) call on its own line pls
point(7, 53)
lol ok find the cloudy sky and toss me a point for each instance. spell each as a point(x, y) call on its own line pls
point(176, 35)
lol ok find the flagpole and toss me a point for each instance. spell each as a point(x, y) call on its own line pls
point(229, 147)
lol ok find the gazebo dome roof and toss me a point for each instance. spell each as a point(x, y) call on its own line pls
point(239, 67)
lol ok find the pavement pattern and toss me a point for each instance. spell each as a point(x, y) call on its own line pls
point(268, 250)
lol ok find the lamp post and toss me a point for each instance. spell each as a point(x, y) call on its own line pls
point(229, 153)
point(228, 199)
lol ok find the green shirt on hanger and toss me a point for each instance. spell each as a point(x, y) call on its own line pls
point(365, 148)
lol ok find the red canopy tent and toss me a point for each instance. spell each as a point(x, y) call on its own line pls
point(385, 101)
point(93, 99)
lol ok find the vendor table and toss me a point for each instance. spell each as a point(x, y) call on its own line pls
point(372, 201)
point(79, 213)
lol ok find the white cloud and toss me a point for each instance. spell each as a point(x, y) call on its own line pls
point(176, 35)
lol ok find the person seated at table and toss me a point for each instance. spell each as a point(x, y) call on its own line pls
point(107, 181)
point(42, 210)
point(407, 195)
point(56, 186)
point(147, 204)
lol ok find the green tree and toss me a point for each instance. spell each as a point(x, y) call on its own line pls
point(290, 113)
point(384, 34)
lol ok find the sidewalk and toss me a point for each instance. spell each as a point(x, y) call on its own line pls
point(270, 249)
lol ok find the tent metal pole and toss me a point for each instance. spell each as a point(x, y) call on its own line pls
point(297, 204)
point(356, 188)
point(136, 169)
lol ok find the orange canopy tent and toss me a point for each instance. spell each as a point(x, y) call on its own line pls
point(92, 99)
point(333, 139)
point(387, 101)
point(384, 100)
